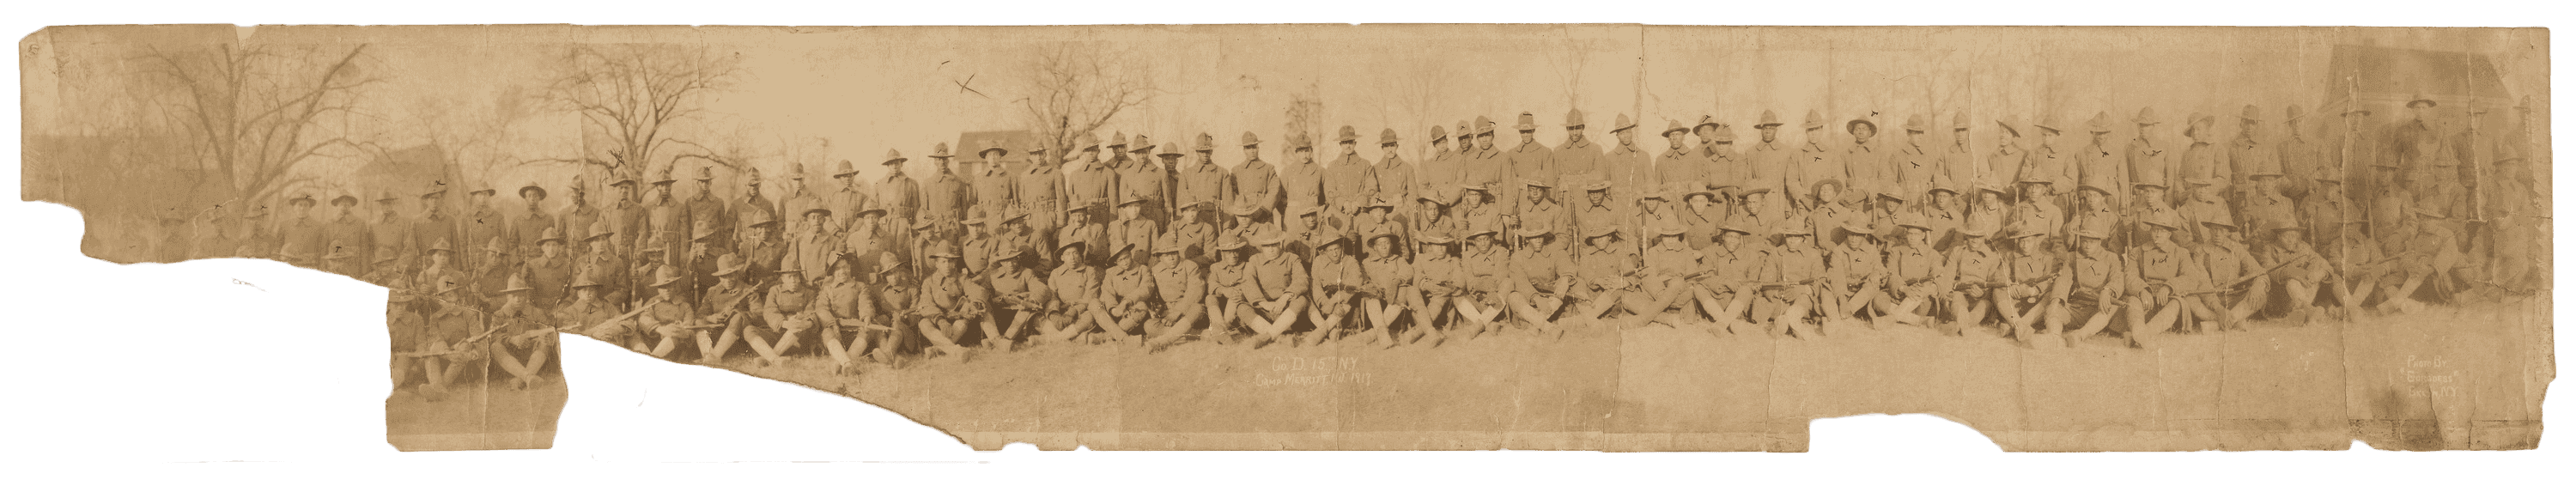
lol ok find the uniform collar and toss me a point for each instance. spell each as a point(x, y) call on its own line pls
point(1585, 144)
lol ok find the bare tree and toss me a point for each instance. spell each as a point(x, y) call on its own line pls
point(257, 111)
point(1568, 61)
point(636, 94)
point(1074, 88)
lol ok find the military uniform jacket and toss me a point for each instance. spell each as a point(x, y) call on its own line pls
point(2265, 210)
point(1853, 260)
point(1276, 276)
point(1394, 181)
point(1971, 264)
point(2300, 163)
point(786, 302)
point(811, 251)
point(1872, 170)
point(526, 229)
point(1143, 180)
point(1333, 272)
point(521, 318)
point(625, 224)
point(2166, 264)
point(1488, 167)
point(1257, 183)
point(945, 198)
point(1301, 184)
point(865, 245)
point(1180, 282)
point(2040, 212)
point(1770, 166)
point(481, 226)
point(1576, 163)
point(2003, 168)
point(552, 277)
point(1021, 285)
point(2149, 163)
point(1042, 192)
point(2196, 211)
point(946, 295)
point(1913, 168)
point(1385, 275)
point(1960, 164)
point(2089, 273)
point(2046, 163)
point(1944, 223)
point(1231, 280)
point(1626, 167)
point(2203, 161)
point(994, 190)
point(1544, 214)
point(666, 310)
point(1126, 284)
point(1349, 184)
point(723, 299)
point(2096, 167)
point(1914, 265)
point(2325, 209)
point(1537, 269)
point(1815, 162)
point(1204, 182)
point(761, 258)
point(1487, 271)
point(1075, 285)
point(582, 315)
point(893, 298)
point(1678, 170)
point(2304, 265)
point(1721, 166)
point(898, 194)
point(1672, 261)
point(706, 209)
point(1436, 277)
point(575, 220)
point(2246, 157)
point(385, 232)
point(2033, 269)
point(1702, 223)
point(347, 230)
point(1528, 161)
point(1828, 218)
point(1612, 266)
point(454, 322)
point(1604, 214)
point(1437, 179)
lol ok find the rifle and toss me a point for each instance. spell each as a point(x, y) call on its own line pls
point(736, 304)
point(2231, 284)
point(623, 317)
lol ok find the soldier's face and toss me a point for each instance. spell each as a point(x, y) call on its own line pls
point(1528, 136)
point(1485, 141)
point(2101, 138)
point(551, 248)
point(585, 293)
point(1626, 137)
point(578, 196)
point(1674, 141)
point(1574, 133)
point(2291, 236)
point(1597, 196)
point(1829, 194)
point(1959, 137)
point(2253, 130)
point(1945, 199)
point(2091, 245)
point(1862, 133)
point(1697, 201)
point(1770, 133)
point(1350, 147)
point(2005, 141)
point(1389, 149)
point(2160, 235)
point(1480, 242)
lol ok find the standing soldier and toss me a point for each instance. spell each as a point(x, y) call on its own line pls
point(482, 222)
point(1626, 164)
point(2356, 151)
point(1091, 181)
point(2148, 162)
point(2095, 167)
point(995, 189)
point(520, 324)
point(705, 208)
point(577, 217)
point(665, 223)
point(1041, 191)
point(1302, 180)
point(897, 192)
point(625, 218)
point(1350, 183)
point(1256, 183)
point(1485, 165)
point(549, 271)
point(1527, 161)
point(1916, 165)
point(2300, 159)
point(526, 227)
point(847, 201)
point(2004, 167)
point(2054, 168)
point(1437, 180)
point(388, 233)
point(752, 204)
point(1958, 160)
point(433, 225)
point(1722, 168)
point(1676, 169)
point(346, 229)
point(2249, 154)
point(1814, 162)
point(1769, 163)
point(1869, 164)
point(1393, 178)
point(1203, 182)
point(1577, 160)
point(799, 198)
point(2203, 161)
point(1167, 184)
point(943, 200)
point(1140, 177)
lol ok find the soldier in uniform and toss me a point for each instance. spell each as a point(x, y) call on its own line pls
point(1350, 183)
point(492, 270)
point(1529, 161)
point(728, 307)
point(301, 232)
point(706, 208)
point(2203, 160)
point(550, 271)
point(578, 216)
point(2250, 153)
point(846, 202)
point(625, 218)
point(520, 325)
point(446, 350)
point(1013, 288)
point(2302, 272)
point(1484, 165)
point(870, 234)
point(2095, 167)
point(1541, 272)
point(1274, 290)
point(1915, 165)
point(1392, 179)
point(1625, 164)
point(2055, 167)
point(1227, 299)
point(948, 306)
point(1437, 179)
point(761, 251)
point(1090, 181)
point(1074, 290)
point(1831, 211)
point(1388, 293)
point(2003, 169)
point(1720, 165)
point(1700, 214)
point(2353, 258)
point(783, 317)
point(1788, 276)
point(665, 223)
point(1772, 163)
point(1437, 283)
point(406, 329)
point(2029, 302)
point(1855, 273)
point(1256, 183)
point(1918, 276)
point(1302, 180)
point(799, 199)
point(995, 189)
point(2161, 272)
point(1726, 275)
point(343, 259)
point(1599, 212)
point(2148, 162)
point(1958, 164)
point(2091, 290)
point(1973, 269)
point(742, 213)
point(2422, 252)
point(1814, 162)
point(1126, 287)
point(1181, 293)
point(1675, 169)
point(668, 314)
point(1666, 291)
point(944, 198)
point(388, 233)
point(1487, 276)
point(525, 228)
point(1161, 183)
point(1577, 160)
point(1607, 277)
point(897, 192)
point(1334, 281)
point(2205, 205)
point(588, 313)
point(815, 244)
point(2300, 159)
point(1868, 165)
point(346, 229)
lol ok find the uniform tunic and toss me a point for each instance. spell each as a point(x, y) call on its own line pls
point(1872, 169)
point(1349, 184)
point(1487, 167)
point(1769, 165)
point(1181, 285)
point(1276, 277)
point(1529, 161)
point(1723, 166)
point(2057, 168)
point(1537, 269)
point(1614, 266)
point(1437, 178)
point(2089, 276)
point(2164, 264)
point(1075, 286)
point(1677, 170)
point(1915, 269)
point(2096, 167)
point(1335, 272)
point(1395, 182)
point(1042, 192)
point(1814, 163)
point(2149, 163)
point(898, 194)
point(1915, 168)
point(1486, 272)
point(1627, 169)
point(945, 199)
point(1257, 184)
point(551, 276)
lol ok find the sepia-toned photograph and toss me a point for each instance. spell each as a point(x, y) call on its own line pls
point(1610, 237)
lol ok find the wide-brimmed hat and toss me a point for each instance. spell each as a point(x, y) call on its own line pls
point(1139, 144)
point(2293, 113)
point(306, 198)
point(1170, 149)
point(1439, 133)
point(892, 157)
point(1672, 126)
point(1347, 134)
point(441, 245)
point(495, 245)
point(1915, 123)
point(706, 173)
point(1621, 123)
point(1206, 143)
point(517, 283)
point(1297, 140)
point(598, 230)
point(2419, 98)
point(1249, 139)
point(1385, 137)
point(551, 234)
point(941, 249)
point(1959, 121)
point(1819, 187)
point(2146, 116)
point(1167, 243)
point(666, 275)
point(345, 196)
point(1118, 140)
point(2009, 124)
point(1528, 122)
point(482, 188)
point(1853, 126)
point(1769, 119)
point(2101, 122)
point(383, 196)
point(2049, 123)
point(1815, 120)
point(888, 262)
point(1573, 118)
point(729, 264)
point(1433, 238)
point(585, 278)
point(1086, 141)
point(2250, 113)
point(434, 190)
point(662, 176)
point(1484, 126)
point(1267, 237)
point(940, 151)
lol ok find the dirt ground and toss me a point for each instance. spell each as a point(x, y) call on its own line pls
point(2445, 378)
point(475, 414)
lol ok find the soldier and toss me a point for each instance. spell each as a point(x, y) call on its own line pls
point(1814, 162)
point(785, 314)
point(2356, 151)
point(578, 216)
point(1334, 281)
point(2356, 267)
point(440, 263)
point(1181, 293)
point(870, 235)
point(2054, 167)
point(520, 325)
point(1720, 165)
point(1943, 216)
point(1529, 161)
point(1788, 278)
point(388, 270)
point(1700, 214)
point(345, 228)
point(1131, 225)
point(492, 270)
point(1855, 275)
point(799, 199)
point(1577, 160)
point(2422, 252)
point(1125, 289)
point(2029, 301)
point(1771, 163)
point(1919, 276)
point(2095, 167)
point(2148, 162)
point(1607, 278)
point(1387, 292)
point(1205, 182)
point(1541, 273)
point(1676, 168)
point(2091, 288)
point(447, 349)
point(2419, 149)
point(1350, 182)
point(948, 306)
point(668, 314)
point(1599, 212)
point(994, 188)
point(301, 231)
point(550, 271)
point(1432, 291)
point(2205, 205)
point(1436, 183)
point(1625, 164)
point(526, 227)
point(1165, 182)
point(388, 233)
point(728, 307)
point(1074, 288)
point(1666, 291)
point(1869, 165)
point(1476, 209)
point(665, 223)
point(1541, 212)
point(1831, 211)
point(2038, 207)
point(761, 253)
point(742, 211)
point(1117, 159)
point(1432, 217)
point(1274, 291)
point(1485, 165)
point(1256, 183)
point(1041, 191)
point(1974, 270)
point(1482, 298)
point(406, 329)
point(1760, 216)
point(607, 267)
point(1726, 275)
point(625, 218)
point(589, 314)
point(1302, 180)
point(1958, 161)
point(814, 244)
point(482, 221)
point(897, 192)
point(2161, 273)
point(706, 208)
point(2150, 204)
point(1013, 288)
point(846, 202)
point(944, 198)
point(2302, 272)
point(2203, 160)
point(2004, 167)
point(1078, 228)
point(1655, 212)
point(1915, 164)
point(1227, 279)
point(2250, 153)
point(1393, 178)
point(2300, 159)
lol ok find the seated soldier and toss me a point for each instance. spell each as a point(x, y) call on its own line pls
point(1437, 282)
point(667, 315)
point(1666, 287)
point(407, 329)
point(2162, 272)
point(1605, 277)
point(1481, 301)
point(1227, 279)
point(2353, 265)
point(2421, 252)
point(1334, 278)
point(1975, 272)
point(2092, 286)
point(851, 307)
point(946, 308)
point(896, 291)
point(1125, 287)
point(1389, 285)
point(1274, 291)
point(588, 314)
point(1789, 279)
point(2302, 272)
point(1180, 288)
point(1919, 276)
point(2228, 262)
point(447, 345)
point(519, 325)
point(729, 306)
point(1075, 288)
point(1541, 271)
point(1726, 279)
point(1855, 275)
point(786, 314)
point(2028, 295)
point(1015, 289)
